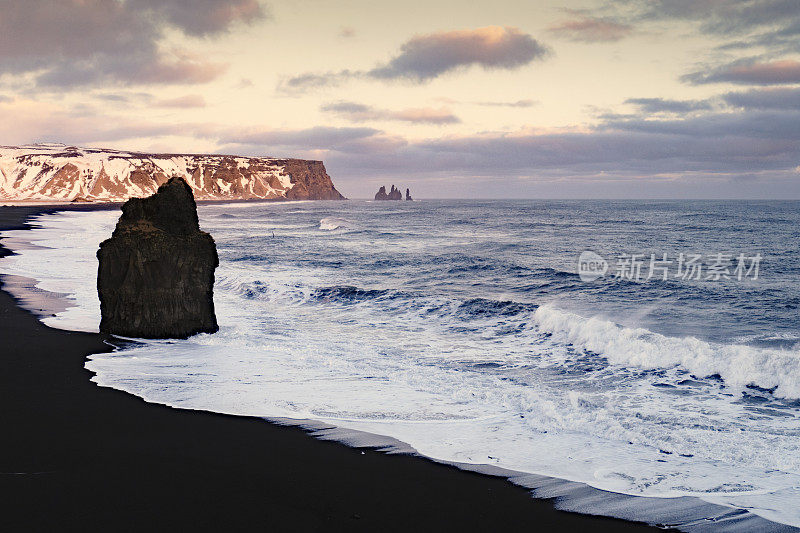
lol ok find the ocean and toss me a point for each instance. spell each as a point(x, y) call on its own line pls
point(650, 348)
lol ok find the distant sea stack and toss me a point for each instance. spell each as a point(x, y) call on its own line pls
point(408, 195)
point(156, 273)
point(394, 194)
point(69, 173)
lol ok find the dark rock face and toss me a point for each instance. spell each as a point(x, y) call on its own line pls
point(394, 194)
point(408, 195)
point(311, 181)
point(156, 273)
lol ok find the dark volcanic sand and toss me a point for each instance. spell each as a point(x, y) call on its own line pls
point(77, 456)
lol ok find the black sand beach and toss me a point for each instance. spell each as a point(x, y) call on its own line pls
point(75, 455)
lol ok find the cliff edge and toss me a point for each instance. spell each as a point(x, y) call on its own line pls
point(69, 173)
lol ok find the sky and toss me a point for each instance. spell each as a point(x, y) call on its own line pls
point(482, 99)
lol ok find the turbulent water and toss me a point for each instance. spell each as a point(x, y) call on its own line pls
point(462, 329)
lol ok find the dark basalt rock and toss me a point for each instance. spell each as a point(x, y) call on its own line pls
point(394, 194)
point(156, 273)
point(408, 196)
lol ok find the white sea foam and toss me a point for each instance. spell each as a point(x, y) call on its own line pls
point(482, 382)
point(63, 261)
point(738, 365)
point(332, 223)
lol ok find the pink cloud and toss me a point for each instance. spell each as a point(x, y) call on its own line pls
point(356, 112)
point(749, 72)
point(592, 30)
point(183, 102)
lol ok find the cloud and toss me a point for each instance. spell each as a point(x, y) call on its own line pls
point(312, 80)
point(356, 112)
point(26, 121)
point(346, 32)
point(124, 97)
point(82, 42)
point(724, 16)
point(743, 25)
point(490, 103)
point(425, 57)
point(756, 124)
point(202, 17)
point(518, 103)
point(427, 115)
point(662, 105)
point(750, 23)
point(772, 98)
point(184, 69)
point(717, 145)
point(351, 109)
point(320, 137)
point(175, 68)
point(749, 72)
point(183, 102)
point(589, 29)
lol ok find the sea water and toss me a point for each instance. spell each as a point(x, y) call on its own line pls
point(463, 329)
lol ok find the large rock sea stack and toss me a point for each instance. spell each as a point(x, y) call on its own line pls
point(394, 194)
point(156, 273)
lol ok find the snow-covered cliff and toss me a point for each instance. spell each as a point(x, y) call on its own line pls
point(65, 173)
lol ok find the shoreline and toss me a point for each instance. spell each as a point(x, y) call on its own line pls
point(389, 491)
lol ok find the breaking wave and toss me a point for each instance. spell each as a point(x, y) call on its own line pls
point(332, 223)
point(739, 366)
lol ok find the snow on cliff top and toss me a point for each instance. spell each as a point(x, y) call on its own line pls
point(60, 150)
